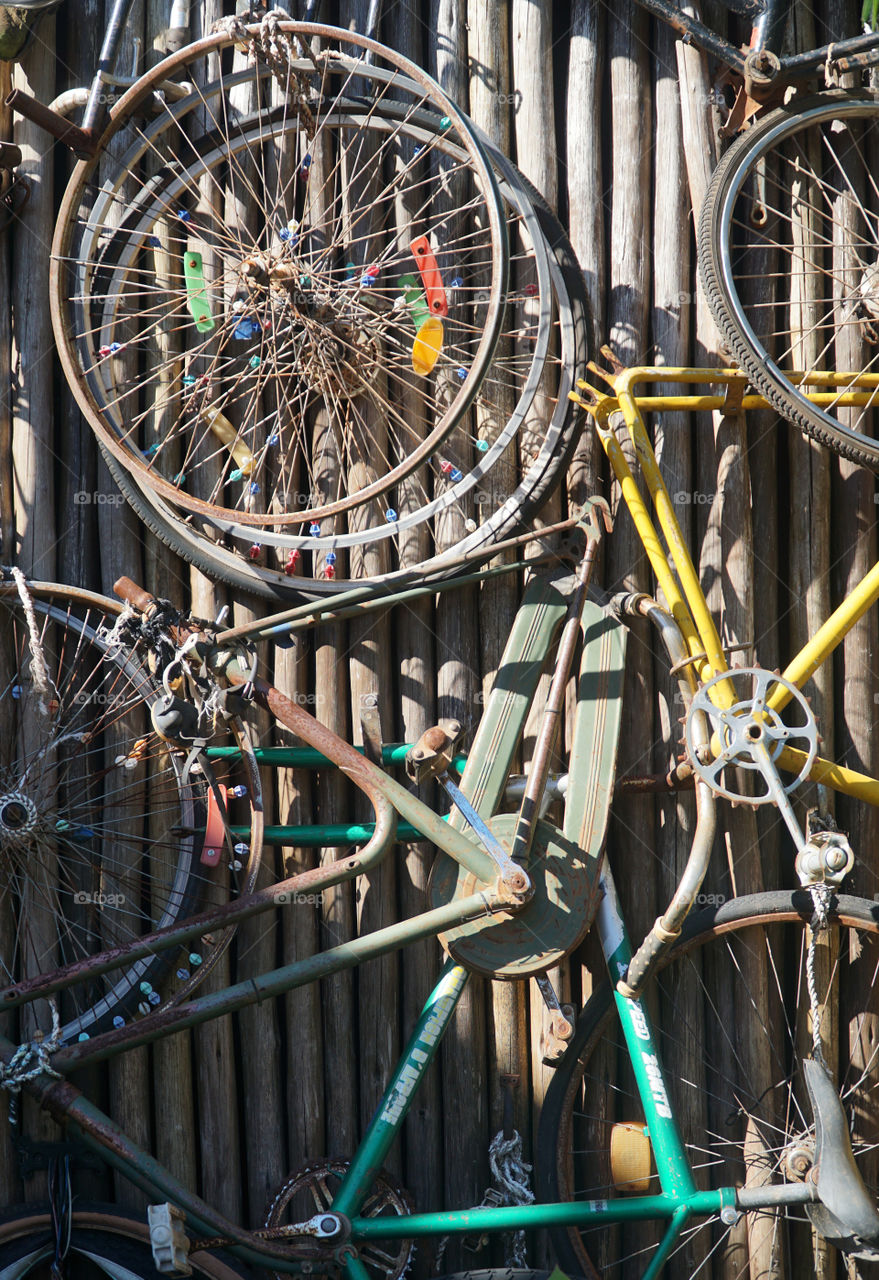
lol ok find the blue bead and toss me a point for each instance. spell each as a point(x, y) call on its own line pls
point(118, 1022)
point(273, 438)
point(462, 373)
point(246, 328)
point(314, 529)
point(456, 475)
point(390, 515)
point(285, 233)
point(331, 557)
point(184, 215)
point(455, 282)
point(155, 242)
point(254, 487)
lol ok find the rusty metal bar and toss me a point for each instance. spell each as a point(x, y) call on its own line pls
point(407, 585)
point(264, 986)
point(382, 791)
point(67, 1105)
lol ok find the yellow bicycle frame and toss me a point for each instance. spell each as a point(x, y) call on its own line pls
point(680, 584)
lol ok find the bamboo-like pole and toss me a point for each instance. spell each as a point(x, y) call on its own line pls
point(413, 630)
point(465, 1118)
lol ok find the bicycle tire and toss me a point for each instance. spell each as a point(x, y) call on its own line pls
point(575, 341)
point(335, 329)
point(103, 1237)
point(729, 1108)
point(788, 257)
point(101, 834)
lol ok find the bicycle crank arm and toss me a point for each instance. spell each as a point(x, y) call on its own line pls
point(846, 1215)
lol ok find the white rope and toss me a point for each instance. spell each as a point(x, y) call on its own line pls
point(821, 895)
point(113, 637)
point(510, 1172)
point(38, 667)
point(32, 1059)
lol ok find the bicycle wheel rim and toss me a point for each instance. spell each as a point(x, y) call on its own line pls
point(788, 242)
point(212, 97)
point(103, 836)
point(747, 1108)
point(103, 1239)
point(557, 284)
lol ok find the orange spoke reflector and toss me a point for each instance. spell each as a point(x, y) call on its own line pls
point(214, 829)
point(437, 301)
point(427, 346)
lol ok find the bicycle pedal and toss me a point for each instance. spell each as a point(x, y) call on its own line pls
point(168, 1240)
point(492, 1199)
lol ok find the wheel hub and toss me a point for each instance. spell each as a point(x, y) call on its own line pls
point(798, 1157)
point(18, 815)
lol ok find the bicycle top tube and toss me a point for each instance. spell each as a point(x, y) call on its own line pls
point(857, 52)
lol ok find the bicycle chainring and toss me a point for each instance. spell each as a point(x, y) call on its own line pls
point(312, 1189)
point(746, 728)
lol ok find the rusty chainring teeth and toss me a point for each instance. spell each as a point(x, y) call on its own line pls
point(310, 1191)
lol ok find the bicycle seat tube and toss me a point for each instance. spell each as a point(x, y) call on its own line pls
point(768, 30)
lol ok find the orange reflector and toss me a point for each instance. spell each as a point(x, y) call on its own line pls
point(630, 1157)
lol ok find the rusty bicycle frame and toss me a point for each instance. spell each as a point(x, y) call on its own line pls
point(500, 886)
point(697, 656)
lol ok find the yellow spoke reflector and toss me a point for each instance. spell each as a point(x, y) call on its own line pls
point(228, 434)
point(427, 346)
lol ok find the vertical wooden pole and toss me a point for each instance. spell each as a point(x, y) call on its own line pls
point(465, 1119)
point(414, 709)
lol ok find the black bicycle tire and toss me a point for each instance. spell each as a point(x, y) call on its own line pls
point(720, 290)
point(102, 1229)
point(702, 926)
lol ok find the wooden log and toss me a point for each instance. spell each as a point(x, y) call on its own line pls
point(32, 344)
point(260, 1068)
point(413, 632)
point(490, 96)
point(628, 303)
point(535, 150)
point(304, 1066)
point(463, 1054)
point(7, 512)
